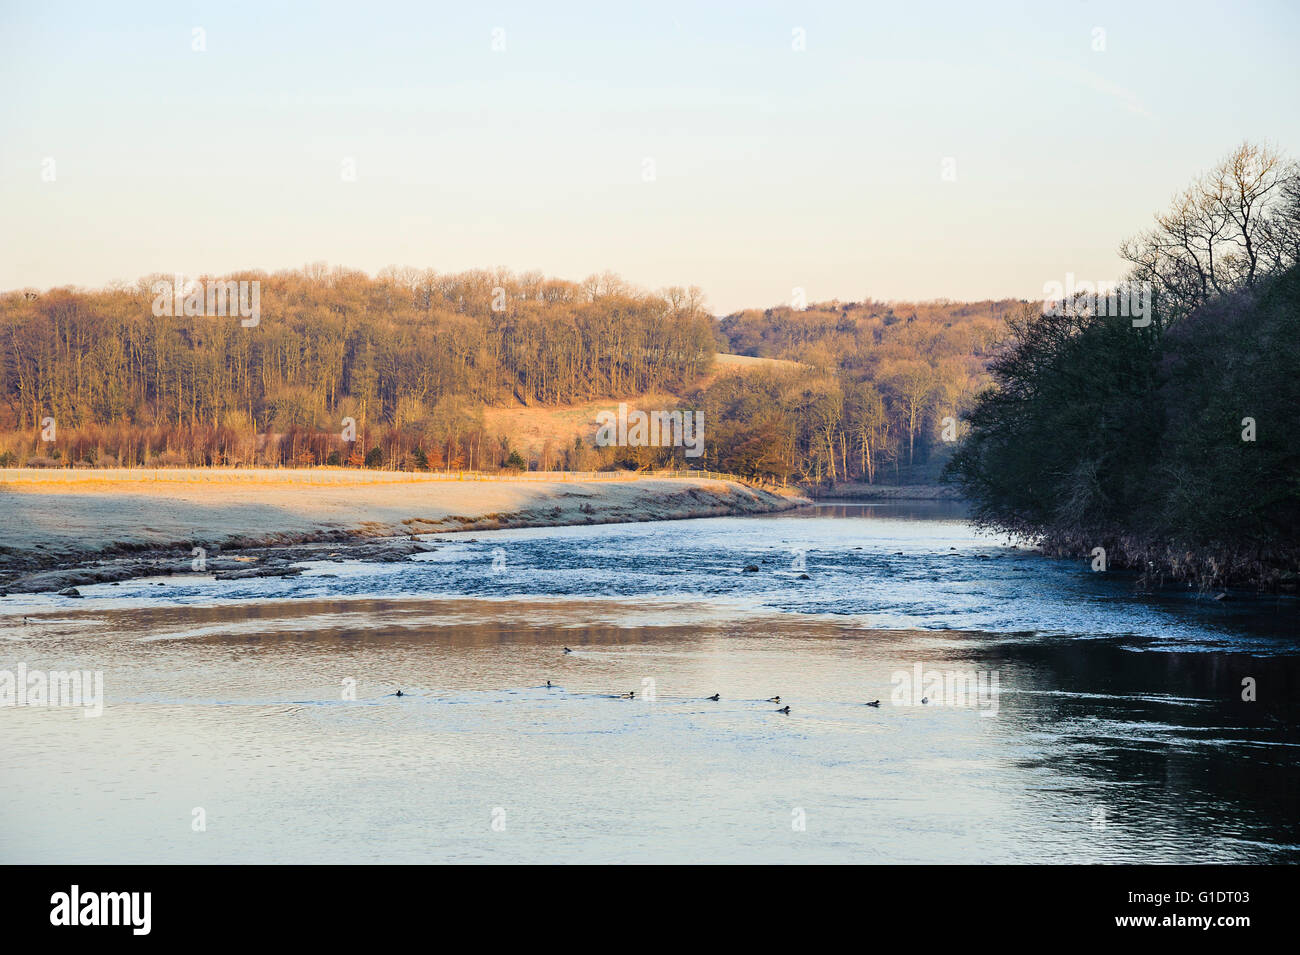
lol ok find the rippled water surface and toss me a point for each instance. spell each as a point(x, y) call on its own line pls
point(1116, 732)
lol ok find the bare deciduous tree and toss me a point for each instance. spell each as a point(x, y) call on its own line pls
point(1233, 225)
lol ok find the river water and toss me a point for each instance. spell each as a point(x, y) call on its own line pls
point(1068, 718)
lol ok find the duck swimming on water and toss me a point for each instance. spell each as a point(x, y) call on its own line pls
point(874, 703)
point(567, 650)
point(715, 697)
point(399, 693)
point(784, 709)
point(773, 699)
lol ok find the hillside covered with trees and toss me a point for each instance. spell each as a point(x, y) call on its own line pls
point(868, 402)
point(414, 358)
point(411, 357)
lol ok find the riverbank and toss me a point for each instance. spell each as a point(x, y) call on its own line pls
point(82, 527)
point(881, 492)
point(1155, 562)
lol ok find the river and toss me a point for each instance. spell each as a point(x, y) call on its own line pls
point(1068, 717)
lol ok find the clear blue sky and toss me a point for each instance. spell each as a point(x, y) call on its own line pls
point(773, 168)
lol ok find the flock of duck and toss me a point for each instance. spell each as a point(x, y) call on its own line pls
point(631, 695)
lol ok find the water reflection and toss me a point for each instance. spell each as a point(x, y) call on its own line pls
point(1098, 752)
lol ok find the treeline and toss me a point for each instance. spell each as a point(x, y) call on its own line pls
point(1168, 448)
point(410, 356)
point(397, 371)
point(868, 398)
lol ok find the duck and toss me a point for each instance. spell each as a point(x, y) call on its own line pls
point(874, 703)
point(399, 693)
point(715, 697)
point(567, 650)
point(925, 699)
point(773, 699)
point(784, 709)
point(548, 684)
point(629, 695)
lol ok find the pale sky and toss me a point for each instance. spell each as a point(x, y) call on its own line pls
point(773, 168)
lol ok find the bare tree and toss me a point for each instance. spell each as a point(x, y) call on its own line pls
point(1231, 227)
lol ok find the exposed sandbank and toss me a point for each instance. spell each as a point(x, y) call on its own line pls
point(62, 530)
